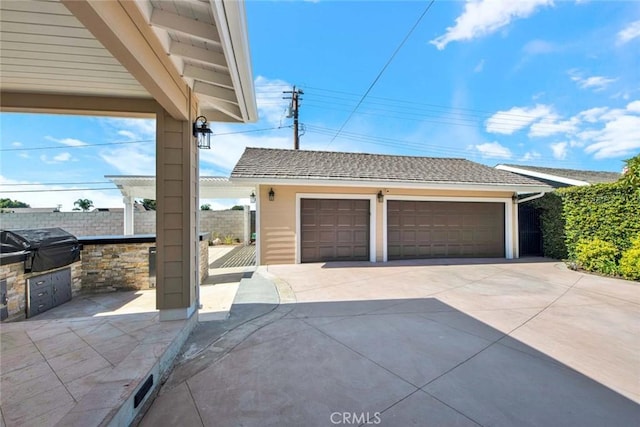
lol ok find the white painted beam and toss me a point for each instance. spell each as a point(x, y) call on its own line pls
point(173, 22)
point(221, 113)
point(205, 75)
point(123, 30)
point(216, 92)
point(197, 54)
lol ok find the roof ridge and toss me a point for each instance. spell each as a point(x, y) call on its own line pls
point(552, 168)
point(359, 153)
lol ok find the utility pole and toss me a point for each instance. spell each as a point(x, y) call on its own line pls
point(293, 112)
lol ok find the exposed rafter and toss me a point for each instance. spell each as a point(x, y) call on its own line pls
point(197, 54)
point(206, 75)
point(184, 25)
point(216, 92)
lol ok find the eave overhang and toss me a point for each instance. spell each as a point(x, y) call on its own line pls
point(419, 185)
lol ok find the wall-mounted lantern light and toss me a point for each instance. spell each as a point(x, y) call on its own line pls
point(380, 196)
point(272, 195)
point(202, 132)
point(252, 197)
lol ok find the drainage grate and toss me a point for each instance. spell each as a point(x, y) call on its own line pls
point(144, 389)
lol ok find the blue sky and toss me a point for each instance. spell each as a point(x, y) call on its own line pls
point(540, 82)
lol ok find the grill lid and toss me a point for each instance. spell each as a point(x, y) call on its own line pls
point(21, 240)
point(48, 248)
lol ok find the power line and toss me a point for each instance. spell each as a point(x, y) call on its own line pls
point(60, 183)
point(65, 147)
point(253, 130)
point(383, 70)
point(58, 189)
point(408, 145)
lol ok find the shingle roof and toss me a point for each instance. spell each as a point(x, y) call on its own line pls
point(325, 165)
point(592, 177)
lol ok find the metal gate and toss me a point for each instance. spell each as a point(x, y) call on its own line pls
point(530, 235)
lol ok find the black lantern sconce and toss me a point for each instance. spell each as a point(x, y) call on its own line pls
point(380, 196)
point(272, 195)
point(202, 132)
point(252, 197)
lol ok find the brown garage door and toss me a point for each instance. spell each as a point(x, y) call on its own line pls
point(444, 229)
point(334, 230)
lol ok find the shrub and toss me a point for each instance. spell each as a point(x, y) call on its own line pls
point(228, 240)
point(551, 225)
point(597, 255)
point(609, 212)
point(630, 261)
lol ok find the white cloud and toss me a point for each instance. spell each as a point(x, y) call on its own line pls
point(483, 17)
point(634, 107)
point(510, 121)
point(71, 142)
point(619, 137)
point(131, 160)
point(593, 114)
point(227, 149)
point(62, 157)
point(539, 47)
point(493, 150)
point(134, 129)
point(530, 155)
point(630, 32)
point(16, 144)
point(597, 83)
point(271, 106)
point(23, 155)
point(551, 125)
point(59, 158)
point(559, 150)
point(479, 67)
point(128, 134)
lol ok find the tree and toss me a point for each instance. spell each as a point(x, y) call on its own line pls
point(8, 203)
point(149, 204)
point(205, 207)
point(83, 204)
point(237, 208)
point(631, 174)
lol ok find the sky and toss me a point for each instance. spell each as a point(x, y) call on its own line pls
point(541, 82)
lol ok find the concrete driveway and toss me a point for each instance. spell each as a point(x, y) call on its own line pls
point(414, 343)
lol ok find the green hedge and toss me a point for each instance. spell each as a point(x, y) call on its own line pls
point(609, 212)
point(551, 225)
point(630, 261)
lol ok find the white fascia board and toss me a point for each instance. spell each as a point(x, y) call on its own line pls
point(230, 17)
point(541, 175)
point(407, 184)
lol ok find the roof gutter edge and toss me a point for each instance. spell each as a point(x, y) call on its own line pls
point(519, 188)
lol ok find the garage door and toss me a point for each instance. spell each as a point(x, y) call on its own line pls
point(334, 230)
point(444, 229)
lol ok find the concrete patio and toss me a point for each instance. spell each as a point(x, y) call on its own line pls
point(81, 363)
point(482, 342)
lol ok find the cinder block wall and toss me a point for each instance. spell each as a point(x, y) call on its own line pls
point(221, 223)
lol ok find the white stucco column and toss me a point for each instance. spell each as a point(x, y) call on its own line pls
point(247, 225)
point(128, 215)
